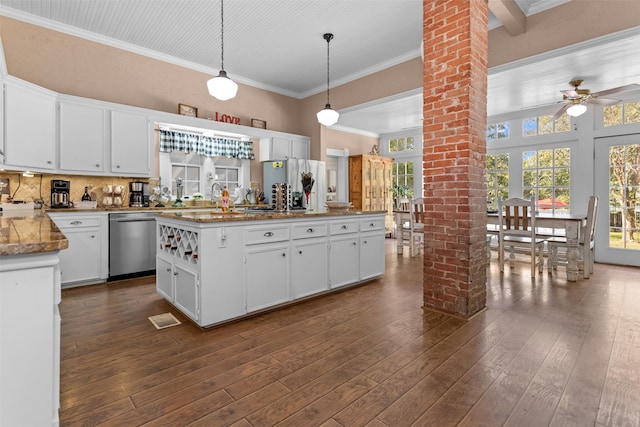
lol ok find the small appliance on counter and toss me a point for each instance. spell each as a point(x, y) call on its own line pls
point(138, 194)
point(60, 190)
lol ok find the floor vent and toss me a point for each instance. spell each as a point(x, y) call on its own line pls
point(165, 320)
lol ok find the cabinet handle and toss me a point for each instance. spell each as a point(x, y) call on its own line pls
point(284, 254)
point(175, 273)
point(117, 166)
point(169, 270)
point(97, 165)
point(311, 230)
point(344, 227)
point(300, 252)
point(93, 237)
point(373, 224)
point(365, 242)
point(268, 234)
point(354, 243)
point(76, 222)
point(49, 162)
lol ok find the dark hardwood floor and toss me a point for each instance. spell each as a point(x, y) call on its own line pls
point(545, 352)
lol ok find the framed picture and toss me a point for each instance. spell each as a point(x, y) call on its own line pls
point(257, 123)
point(187, 110)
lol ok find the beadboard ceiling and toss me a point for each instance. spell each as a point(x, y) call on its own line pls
point(277, 45)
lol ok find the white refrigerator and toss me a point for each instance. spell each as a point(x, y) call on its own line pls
point(290, 171)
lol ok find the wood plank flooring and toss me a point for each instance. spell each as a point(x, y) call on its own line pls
point(545, 352)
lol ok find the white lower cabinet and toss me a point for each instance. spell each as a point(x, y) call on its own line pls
point(218, 271)
point(85, 261)
point(309, 267)
point(29, 340)
point(187, 291)
point(267, 275)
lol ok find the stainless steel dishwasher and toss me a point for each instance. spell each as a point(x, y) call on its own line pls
point(132, 243)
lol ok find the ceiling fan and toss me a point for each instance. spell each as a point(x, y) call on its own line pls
point(576, 99)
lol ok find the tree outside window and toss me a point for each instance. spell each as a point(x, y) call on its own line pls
point(497, 179)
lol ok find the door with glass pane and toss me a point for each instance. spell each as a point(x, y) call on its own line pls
point(617, 186)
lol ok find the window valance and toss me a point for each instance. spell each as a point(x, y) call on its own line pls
point(205, 145)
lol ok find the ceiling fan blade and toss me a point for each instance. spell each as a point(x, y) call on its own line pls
point(625, 88)
point(560, 112)
point(570, 93)
point(603, 101)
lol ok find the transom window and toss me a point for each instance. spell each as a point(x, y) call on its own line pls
point(620, 114)
point(497, 179)
point(543, 125)
point(498, 130)
point(546, 176)
point(401, 144)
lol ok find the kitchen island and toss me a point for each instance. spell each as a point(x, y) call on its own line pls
point(218, 266)
point(29, 318)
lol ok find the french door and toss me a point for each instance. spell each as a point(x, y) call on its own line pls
point(617, 185)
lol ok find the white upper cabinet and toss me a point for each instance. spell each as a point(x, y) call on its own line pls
point(131, 147)
point(82, 137)
point(283, 148)
point(29, 126)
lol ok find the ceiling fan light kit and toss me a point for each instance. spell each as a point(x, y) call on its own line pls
point(576, 99)
point(222, 87)
point(328, 116)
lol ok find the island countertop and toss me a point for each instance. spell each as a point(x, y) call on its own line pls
point(216, 216)
point(29, 233)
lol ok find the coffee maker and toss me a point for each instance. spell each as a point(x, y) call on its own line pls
point(60, 193)
point(138, 194)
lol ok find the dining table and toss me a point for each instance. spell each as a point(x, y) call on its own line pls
point(569, 225)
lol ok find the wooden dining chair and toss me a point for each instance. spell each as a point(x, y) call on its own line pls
point(413, 231)
point(517, 230)
point(585, 244)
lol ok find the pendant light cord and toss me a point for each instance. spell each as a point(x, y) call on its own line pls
point(222, 34)
point(328, 37)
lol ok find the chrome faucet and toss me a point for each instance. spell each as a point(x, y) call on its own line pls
point(215, 197)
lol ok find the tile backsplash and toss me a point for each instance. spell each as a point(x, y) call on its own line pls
point(28, 189)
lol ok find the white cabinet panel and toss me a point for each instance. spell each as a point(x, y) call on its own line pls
point(267, 276)
point(82, 137)
point(371, 255)
point(343, 260)
point(186, 291)
point(131, 145)
point(283, 148)
point(309, 267)
point(164, 278)
point(30, 127)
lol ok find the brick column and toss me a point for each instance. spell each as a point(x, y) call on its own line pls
point(455, 115)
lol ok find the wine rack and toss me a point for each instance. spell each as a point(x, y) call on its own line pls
point(179, 243)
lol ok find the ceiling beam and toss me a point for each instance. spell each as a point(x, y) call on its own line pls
point(510, 14)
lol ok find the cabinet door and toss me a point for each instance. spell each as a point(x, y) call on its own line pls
point(267, 276)
point(371, 255)
point(164, 278)
point(130, 144)
point(82, 137)
point(300, 148)
point(280, 148)
point(343, 261)
point(309, 268)
point(30, 127)
point(187, 293)
point(81, 261)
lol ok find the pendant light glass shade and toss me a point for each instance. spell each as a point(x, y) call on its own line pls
point(222, 87)
point(328, 116)
point(576, 110)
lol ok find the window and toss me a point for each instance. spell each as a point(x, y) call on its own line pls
point(403, 179)
point(543, 125)
point(190, 176)
point(619, 114)
point(401, 144)
point(546, 176)
point(497, 179)
point(228, 177)
point(498, 131)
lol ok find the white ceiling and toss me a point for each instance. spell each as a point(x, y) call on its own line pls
point(278, 45)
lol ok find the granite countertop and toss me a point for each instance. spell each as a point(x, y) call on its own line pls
point(29, 233)
point(258, 215)
point(150, 208)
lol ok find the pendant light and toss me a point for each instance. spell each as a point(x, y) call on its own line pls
point(328, 116)
point(221, 86)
